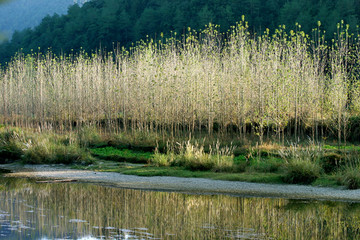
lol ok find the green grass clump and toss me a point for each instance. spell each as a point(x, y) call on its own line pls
point(327, 181)
point(88, 137)
point(350, 174)
point(71, 154)
point(331, 162)
point(301, 171)
point(193, 157)
point(53, 153)
point(350, 178)
point(301, 163)
point(224, 164)
point(36, 148)
point(12, 142)
point(122, 155)
point(37, 154)
point(266, 165)
point(207, 162)
point(162, 160)
point(136, 140)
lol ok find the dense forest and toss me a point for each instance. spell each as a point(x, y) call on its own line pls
point(106, 23)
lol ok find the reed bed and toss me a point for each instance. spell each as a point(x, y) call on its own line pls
point(201, 82)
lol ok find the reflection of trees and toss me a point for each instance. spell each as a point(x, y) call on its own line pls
point(187, 216)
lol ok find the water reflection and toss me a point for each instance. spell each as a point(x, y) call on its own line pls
point(31, 210)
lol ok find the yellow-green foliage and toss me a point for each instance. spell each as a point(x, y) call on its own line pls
point(350, 177)
point(12, 144)
point(193, 157)
point(47, 151)
point(302, 163)
point(31, 147)
point(190, 84)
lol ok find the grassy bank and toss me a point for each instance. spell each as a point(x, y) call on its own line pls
point(149, 155)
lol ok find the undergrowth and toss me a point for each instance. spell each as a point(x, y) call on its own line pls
point(194, 157)
point(296, 164)
point(35, 148)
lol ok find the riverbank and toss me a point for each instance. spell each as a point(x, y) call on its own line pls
point(190, 185)
point(146, 155)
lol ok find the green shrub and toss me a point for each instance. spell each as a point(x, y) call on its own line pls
point(194, 157)
point(210, 163)
point(37, 154)
point(10, 151)
point(241, 151)
point(12, 142)
point(198, 162)
point(121, 155)
point(161, 160)
point(267, 165)
point(224, 164)
point(240, 167)
point(350, 178)
point(301, 171)
point(136, 140)
point(47, 152)
point(88, 137)
point(331, 162)
point(71, 154)
point(352, 160)
point(311, 152)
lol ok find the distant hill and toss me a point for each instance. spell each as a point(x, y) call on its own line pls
point(22, 14)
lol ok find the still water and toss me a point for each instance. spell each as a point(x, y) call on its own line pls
point(30, 210)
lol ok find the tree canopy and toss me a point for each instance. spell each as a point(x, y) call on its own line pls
point(106, 23)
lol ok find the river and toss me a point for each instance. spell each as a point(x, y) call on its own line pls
point(30, 210)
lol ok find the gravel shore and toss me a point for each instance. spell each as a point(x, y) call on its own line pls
point(189, 185)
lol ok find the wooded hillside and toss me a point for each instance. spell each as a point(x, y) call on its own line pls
point(105, 23)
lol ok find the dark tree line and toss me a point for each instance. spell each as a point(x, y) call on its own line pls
point(105, 23)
